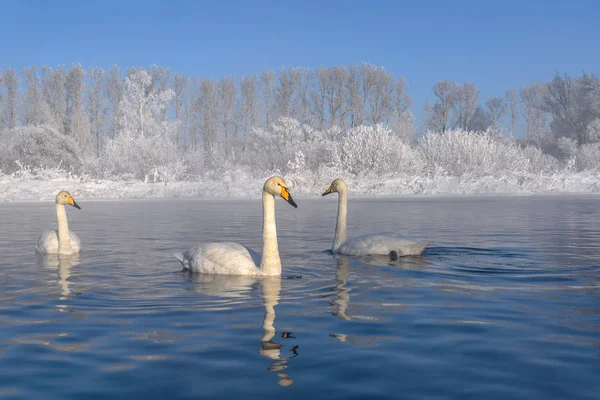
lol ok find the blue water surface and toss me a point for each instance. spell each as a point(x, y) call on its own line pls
point(504, 304)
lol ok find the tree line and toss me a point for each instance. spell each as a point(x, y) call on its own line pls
point(91, 106)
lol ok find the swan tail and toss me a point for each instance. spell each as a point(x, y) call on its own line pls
point(413, 250)
point(184, 263)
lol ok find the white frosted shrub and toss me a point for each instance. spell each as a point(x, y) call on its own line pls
point(539, 162)
point(153, 158)
point(37, 147)
point(374, 149)
point(588, 157)
point(457, 153)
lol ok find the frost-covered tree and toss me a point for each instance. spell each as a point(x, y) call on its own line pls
point(381, 98)
point(114, 92)
point(179, 83)
point(267, 83)
point(512, 107)
point(466, 99)
point(318, 98)
point(303, 87)
point(209, 110)
point(35, 110)
point(533, 97)
point(140, 108)
point(53, 88)
point(10, 81)
point(227, 99)
point(76, 123)
point(96, 104)
point(571, 102)
point(285, 91)
point(439, 113)
point(249, 100)
point(354, 106)
point(496, 107)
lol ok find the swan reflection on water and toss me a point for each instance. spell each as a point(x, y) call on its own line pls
point(230, 287)
point(341, 296)
point(62, 263)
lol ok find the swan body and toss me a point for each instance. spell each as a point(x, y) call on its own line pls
point(381, 244)
point(61, 241)
point(225, 258)
point(48, 243)
point(372, 244)
point(230, 258)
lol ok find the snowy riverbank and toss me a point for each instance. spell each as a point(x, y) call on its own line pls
point(240, 185)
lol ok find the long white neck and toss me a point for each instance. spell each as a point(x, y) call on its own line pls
point(340, 225)
point(270, 264)
point(64, 240)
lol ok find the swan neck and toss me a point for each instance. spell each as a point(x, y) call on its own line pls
point(340, 225)
point(64, 239)
point(271, 263)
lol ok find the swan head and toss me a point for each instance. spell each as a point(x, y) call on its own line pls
point(337, 185)
point(64, 198)
point(276, 186)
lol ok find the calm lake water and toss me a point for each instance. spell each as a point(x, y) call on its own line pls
point(504, 304)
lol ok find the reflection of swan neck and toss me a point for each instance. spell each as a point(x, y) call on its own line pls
point(342, 295)
point(64, 273)
point(270, 294)
point(64, 240)
point(271, 263)
point(340, 226)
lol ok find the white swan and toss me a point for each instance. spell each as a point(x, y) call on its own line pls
point(61, 241)
point(230, 258)
point(372, 244)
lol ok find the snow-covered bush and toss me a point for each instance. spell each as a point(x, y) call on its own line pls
point(458, 152)
point(539, 162)
point(374, 149)
point(37, 147)
point(588, 157)
point(153, 158)
point(276, 146)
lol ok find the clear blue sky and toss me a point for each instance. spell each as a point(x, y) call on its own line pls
point(496, 44)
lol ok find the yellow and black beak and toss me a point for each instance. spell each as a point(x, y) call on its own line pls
point(71, 201)
point(328, 191)
point(285, 193)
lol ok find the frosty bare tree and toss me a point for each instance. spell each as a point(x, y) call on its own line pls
point(179, 85)
point(303, 82)
point(496, 107)
point(285, 91)
point(512, 106)
point(35, 110)
point(467, 96)
point(207, 106)
point(267, 81)
point(95, 104)
point(76, 123)
point(572, 105)
point(227, 93)
point(354, 106)
point(114, 91)
point(53, 88)
point(319, 96)
point(535, 117)
point(249, 99)
point(10, 81)
point(438, 114)
point(380, 100)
